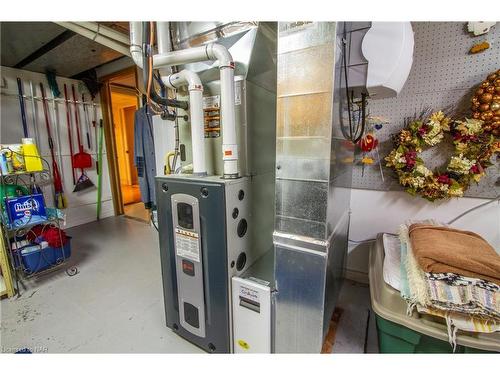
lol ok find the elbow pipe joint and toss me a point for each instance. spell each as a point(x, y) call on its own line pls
point(136, 53)
point(182, 78)
point(220, 53)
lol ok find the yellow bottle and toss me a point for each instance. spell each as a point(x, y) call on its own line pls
point(32, 158)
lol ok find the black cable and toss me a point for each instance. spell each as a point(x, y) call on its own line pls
point(146, 53)
point(153, 221)
point(354, 134)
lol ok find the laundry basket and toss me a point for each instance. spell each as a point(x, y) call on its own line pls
point(419, 333)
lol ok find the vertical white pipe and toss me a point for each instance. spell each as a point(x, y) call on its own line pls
point(163, 32)
point(195, 88)
point(228, 120)
point(136, 43)
point(197, 131)
point(164, 44)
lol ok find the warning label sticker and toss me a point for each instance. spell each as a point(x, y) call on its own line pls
point(250, 294)
point(211, 101)
point(187, 245)
point(237, 93)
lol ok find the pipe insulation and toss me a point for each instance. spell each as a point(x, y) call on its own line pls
point(195, 88)
point(124, 49)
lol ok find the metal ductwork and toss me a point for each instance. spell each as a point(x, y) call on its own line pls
point(312, 186)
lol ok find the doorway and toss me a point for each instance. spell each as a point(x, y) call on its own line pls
point(122, 104)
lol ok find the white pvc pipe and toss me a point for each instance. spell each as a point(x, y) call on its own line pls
point(183, 56)
point(136, 43)
point(228, 122)
point(164, 44)
point(212, 52)
point(101, 39)
point(163, 32)
point(191, 79)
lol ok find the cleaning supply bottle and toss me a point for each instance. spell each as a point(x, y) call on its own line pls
point(3, 163)
point(32, 158)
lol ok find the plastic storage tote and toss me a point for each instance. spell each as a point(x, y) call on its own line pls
point(41, 259)
point(419, 333)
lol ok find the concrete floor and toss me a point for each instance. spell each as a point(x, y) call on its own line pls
point(115, 303)
point(352, 332)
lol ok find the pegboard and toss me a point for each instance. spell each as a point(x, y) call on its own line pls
point(442, 75)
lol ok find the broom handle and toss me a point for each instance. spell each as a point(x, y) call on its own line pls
point(70, 137)
point(55, 169)
point(80, 145)
point(87, 121)
point(23, 107)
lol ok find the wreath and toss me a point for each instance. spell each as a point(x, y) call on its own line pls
point(473, 148)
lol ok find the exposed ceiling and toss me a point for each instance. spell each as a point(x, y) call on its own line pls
point(42, 46)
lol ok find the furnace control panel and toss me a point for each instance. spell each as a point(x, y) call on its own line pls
point(189, 262)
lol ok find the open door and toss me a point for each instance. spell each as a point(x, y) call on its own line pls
point(120, 90)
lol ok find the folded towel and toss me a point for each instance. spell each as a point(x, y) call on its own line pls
point(466, 304)
point(447, 250)
point(446, 291)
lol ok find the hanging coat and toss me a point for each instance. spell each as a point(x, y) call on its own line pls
point(144, 155)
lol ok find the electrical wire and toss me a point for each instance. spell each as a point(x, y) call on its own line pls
point(147, 61)
point(150, 60)
point(152, 220)
point(355, 134)
point(497, 198)
point(176, 123)
point(466, 212)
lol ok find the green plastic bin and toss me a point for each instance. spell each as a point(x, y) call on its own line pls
point(419, 333)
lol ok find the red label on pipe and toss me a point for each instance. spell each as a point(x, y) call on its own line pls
point(228, 153)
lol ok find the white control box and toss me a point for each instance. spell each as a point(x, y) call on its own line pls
point(251, 315)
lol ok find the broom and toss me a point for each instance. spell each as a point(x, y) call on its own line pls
point(81, 159)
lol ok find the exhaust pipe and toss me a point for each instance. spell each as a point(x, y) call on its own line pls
point(212, 52)
point(186, 77)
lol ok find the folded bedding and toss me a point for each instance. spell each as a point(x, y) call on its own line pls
point(466, 303)
point(439, 249)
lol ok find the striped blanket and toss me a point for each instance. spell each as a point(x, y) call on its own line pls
point(465, 303)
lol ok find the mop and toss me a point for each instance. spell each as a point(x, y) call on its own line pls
point(81, 159)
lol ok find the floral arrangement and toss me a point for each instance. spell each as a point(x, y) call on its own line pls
point(473, 148)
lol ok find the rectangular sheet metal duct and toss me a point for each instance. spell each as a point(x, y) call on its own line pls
point(313, 180)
